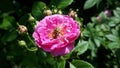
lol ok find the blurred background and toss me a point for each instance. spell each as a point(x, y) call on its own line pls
point(98, 44)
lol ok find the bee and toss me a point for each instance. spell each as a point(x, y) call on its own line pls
point(55, 33)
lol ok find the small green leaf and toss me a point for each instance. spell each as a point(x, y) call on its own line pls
point(94, 20)
point(10, 36)
point(7, 22)
point(92, 47)
point(105, 27)
point(37, 10)
point(61, 3)
point(111, 24)
point(103, 17)
point(115, 20)
point(67, 56)
point(90, 3)
point(114, 45)
point(115, 32)
point(117, 12)
point(112, 37)
point(72, 66)
point(97, 42)
point(85, 32)
point(61, 64)
point(81, 64)
point(5, 25)
point(91, 44)
point(81, 47)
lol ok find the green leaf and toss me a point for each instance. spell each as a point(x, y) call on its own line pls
point(49, 59)
point(114, 45)
point(10, 36)
point(72, 66)
point(103, 17)
point(94, 19)
point(112, 37)
point(67, 56)
point(111, 24)
point(91, 44)
point(7, 22)
point(92, 47)
point(90, 3)
point(37, 10)
point(85, 32)
point(105, 27)
point(117, 12)
point(81, 47)
point(5, 25)
point(61, 64)
point(61, 3)
point(116, 20)
point(81, 64)
point(97, 42)
point(115, 32)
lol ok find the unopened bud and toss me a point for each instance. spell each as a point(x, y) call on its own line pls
point(72, 14)
point(55, 10)
point(22, 29)
point(60, 12)
point(31, 18)
point(22, 43)
point(98, 18)
point(107, 12)
point(48, 12)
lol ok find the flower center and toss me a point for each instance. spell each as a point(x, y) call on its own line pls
point(55, 33)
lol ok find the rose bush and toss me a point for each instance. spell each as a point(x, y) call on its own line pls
point(56, 34)
point(54, 42)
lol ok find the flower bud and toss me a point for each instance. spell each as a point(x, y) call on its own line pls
point(107, 12)
point(22, 29)
point(31, 18)
point(72, 14)
point(60, 12)
point(55, 10)
point(22, 43)
point(48, 12)
point(98, 18)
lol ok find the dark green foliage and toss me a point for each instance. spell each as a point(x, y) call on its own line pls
point(98, 45)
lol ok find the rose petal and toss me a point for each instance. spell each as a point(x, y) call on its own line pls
point(64, 50)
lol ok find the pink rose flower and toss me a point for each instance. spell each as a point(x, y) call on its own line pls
point(56, 34)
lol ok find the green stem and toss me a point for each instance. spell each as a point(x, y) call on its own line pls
point(30, 39)
point(33, 48)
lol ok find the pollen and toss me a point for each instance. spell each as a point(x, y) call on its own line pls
point(55, 33)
